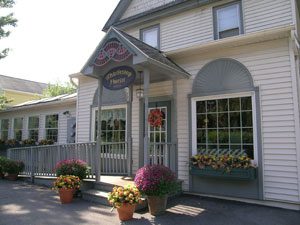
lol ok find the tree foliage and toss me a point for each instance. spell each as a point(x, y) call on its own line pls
point(59, 89)
point(5, 22)
point(4, 101)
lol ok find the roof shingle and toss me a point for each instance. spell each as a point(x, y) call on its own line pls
point(18, 84)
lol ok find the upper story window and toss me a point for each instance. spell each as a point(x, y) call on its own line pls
point(151, 36)
point(228, 20)
point(33, 128)
point(52, 127)
point(18, 128)
point(4, 129)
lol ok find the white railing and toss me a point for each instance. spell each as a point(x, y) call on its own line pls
point(41, 160)
point(163, 154)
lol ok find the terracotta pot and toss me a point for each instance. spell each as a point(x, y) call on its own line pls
point(157, 205)
point(66, 195)
point(126, 212)
point(11, 177)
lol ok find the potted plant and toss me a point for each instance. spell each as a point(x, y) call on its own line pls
point(156, 182)
point(74, 167)
point(223, 166)
point(66, 186)
point(124, 199)
point(12, 169)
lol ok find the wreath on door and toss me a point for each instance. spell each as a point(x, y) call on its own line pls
point(155, 117)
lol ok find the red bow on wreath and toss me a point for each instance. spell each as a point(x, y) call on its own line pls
point(155, 117)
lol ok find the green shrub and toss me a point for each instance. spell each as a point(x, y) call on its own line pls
point(3, 162)
point(13, 167)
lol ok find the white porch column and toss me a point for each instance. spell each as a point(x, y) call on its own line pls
point(99, 131)
point(129, 131)
point(146, 73)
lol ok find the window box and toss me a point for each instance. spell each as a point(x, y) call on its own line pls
point(235, 173)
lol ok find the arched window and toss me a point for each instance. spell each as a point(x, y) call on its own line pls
point(223, 110)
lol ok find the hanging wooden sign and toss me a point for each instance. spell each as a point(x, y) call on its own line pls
point(119, 78)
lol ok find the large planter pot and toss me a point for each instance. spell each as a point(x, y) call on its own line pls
point(66, 195)
point(126, 212)
point(234, 174)
point(157, 205)
point(11, 177)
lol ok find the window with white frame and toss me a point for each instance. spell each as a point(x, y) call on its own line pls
point(51, 127)
point(228, 20)
point(18, 128)
point(4, 129)
point(33, 128)
point(113, 125)
point(225, 126)
point(150, 36)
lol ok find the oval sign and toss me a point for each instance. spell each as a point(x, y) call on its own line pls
point(119, 78)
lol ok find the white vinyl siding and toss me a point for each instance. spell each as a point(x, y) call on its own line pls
point(260, 15)
point(86, 91)
point(269, 63)
point(195, 26)
point(139, 6)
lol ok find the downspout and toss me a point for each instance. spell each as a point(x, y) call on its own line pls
point(293, 50)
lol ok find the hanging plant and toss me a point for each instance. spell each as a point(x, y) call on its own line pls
point(155, 118)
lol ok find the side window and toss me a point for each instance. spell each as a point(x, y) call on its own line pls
point(51, 127)
point(228, 20)
point(18, 128)
point(4, 129)
point(33, 128)
point(151, 36)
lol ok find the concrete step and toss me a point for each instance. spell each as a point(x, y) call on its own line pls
point(102, 186)
point(97, 196)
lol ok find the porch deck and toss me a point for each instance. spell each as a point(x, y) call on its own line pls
point(108, 180)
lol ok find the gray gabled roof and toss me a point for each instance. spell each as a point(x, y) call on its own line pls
point(152, 53)
point(171, 8)
point(12, 83)
point(138, 47)
point(60, 99)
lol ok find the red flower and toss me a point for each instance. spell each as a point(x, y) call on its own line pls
point(155, 117)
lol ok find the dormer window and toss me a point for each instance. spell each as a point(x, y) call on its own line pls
point(150, 36)
point(228, 20)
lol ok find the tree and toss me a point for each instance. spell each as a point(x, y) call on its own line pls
point(5, 22)
point(59, 89)
point(4, 101)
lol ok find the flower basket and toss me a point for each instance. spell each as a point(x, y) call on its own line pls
point(233, 174)
point(66, 185)
point(155, 118)
point(124, 199)
point(126, 211)
point(65, 195)
point(156, 182)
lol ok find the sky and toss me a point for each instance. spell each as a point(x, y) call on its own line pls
point(53, 38)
